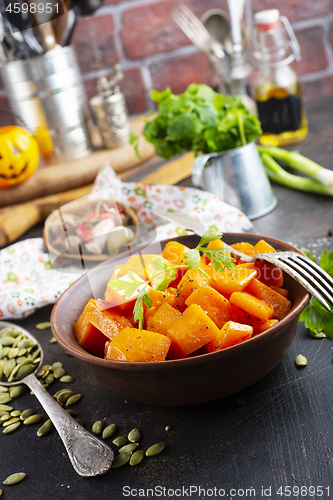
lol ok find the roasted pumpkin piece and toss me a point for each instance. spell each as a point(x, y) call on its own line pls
point(163, 318)
point(281, 291)
point(263, 292)
point(252, 305)
point(267, 324)
point(213, 303)
point(269, 274)
point(104, 317)
point(158, 298)
point(138, 264)
point(191, 281)
point(231, 333)
point(244, 247)
point(263, 247)
point(230, 281)
point(88, 336)
point(117, 298)
point(192, 330)
point(136, 345)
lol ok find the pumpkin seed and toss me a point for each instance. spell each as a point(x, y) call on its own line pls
point(4, 418)
point(301, 360)
point(59, 372)
point(46, 368)
point(3, 388)
point(7, 340)
point(73, 399)
point(5, 331)
point(0, 492)
point(4, 352)
point(56, 365)
point(67, 379)
point(4, 398)
point(65, 395)
point(128, 447)
point(97, 428)
point(120, 440)
point(25, 370)
point(12, 420)
point(26, 413)
point(43, 326)
point(13, 352)
point(136, 457)
point(17, 390)
point(45, 428)
point(53, 340)
point(9, 367)
point(35, 353)
point(120, 460)
point(49, 379)
point(3, 413)
point(59, 392)
point(4, 407)
point(21, 352)
point(14, 478)
point(72, 413)
point(155, 449)
point(134, 436)
point(40, 373)
point(1, 370)
point(11, 428)
point(33, 419)
point(109, 431)
point(24, 343)
point(15, 413)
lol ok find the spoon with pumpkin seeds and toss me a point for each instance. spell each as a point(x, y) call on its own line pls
point(21, 355)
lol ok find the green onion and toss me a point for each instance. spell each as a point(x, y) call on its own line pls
point(299, 162)
point(277, 174)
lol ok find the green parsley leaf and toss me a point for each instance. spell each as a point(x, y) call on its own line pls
point(220, 258)
point(208, 236)
point(326, 262)
point(192, 258)
point(160, 264)
point(317, 319)
point(138, 307)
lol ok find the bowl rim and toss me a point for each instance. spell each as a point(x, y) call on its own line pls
point(89, 358)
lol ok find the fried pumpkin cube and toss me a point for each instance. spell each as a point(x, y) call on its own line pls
point(231, 333)
point(136, 345)
point(163, 319)
point(192, 330)
point(191, 281)
point(213, 303)
point(280, 304)
point(252, 305)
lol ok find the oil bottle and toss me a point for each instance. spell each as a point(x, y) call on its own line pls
point(276, 87)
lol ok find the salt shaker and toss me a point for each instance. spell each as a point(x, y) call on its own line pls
point(110, 111)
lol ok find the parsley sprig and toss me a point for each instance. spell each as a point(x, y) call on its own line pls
point(166, 273)
point(315, 316)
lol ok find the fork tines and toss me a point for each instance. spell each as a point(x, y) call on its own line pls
point(315, 277)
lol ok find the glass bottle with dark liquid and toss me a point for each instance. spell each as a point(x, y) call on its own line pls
point(276, 86)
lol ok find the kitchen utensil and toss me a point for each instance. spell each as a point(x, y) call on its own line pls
point(306, 272)
point(237, 177)
point(110, 110)
point(47, 92)
point(200, 37)
point(88, 454)
point(193, 380)
point(217, 24)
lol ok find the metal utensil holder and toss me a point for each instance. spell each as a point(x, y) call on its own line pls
point(47, 94)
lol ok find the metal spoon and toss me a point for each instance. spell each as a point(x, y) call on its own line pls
point(88, 454)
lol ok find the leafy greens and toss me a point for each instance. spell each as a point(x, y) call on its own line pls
point(199, 120)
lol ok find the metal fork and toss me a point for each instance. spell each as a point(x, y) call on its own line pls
point(201, 38)
point(311, 276)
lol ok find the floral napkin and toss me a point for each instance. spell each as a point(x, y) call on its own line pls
point(27, 278)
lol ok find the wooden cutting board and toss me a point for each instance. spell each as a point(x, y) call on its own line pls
point(15, 220)
point(67, 175)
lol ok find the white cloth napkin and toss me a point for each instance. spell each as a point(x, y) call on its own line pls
point(27, 279)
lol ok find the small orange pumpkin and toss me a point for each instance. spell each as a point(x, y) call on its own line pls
point(18, 155)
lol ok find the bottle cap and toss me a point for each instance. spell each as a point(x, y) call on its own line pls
point(267, 19)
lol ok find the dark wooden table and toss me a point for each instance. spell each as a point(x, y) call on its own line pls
point(260, 443)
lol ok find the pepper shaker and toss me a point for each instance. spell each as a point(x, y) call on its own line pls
point(110, 111)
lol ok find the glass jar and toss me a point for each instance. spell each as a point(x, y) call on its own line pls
point(276, 86)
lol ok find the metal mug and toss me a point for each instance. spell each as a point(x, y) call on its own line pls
point(237, 177)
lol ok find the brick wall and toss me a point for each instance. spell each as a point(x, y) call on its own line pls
point(154, 52)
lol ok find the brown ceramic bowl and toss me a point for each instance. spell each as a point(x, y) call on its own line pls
point(187, 381)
